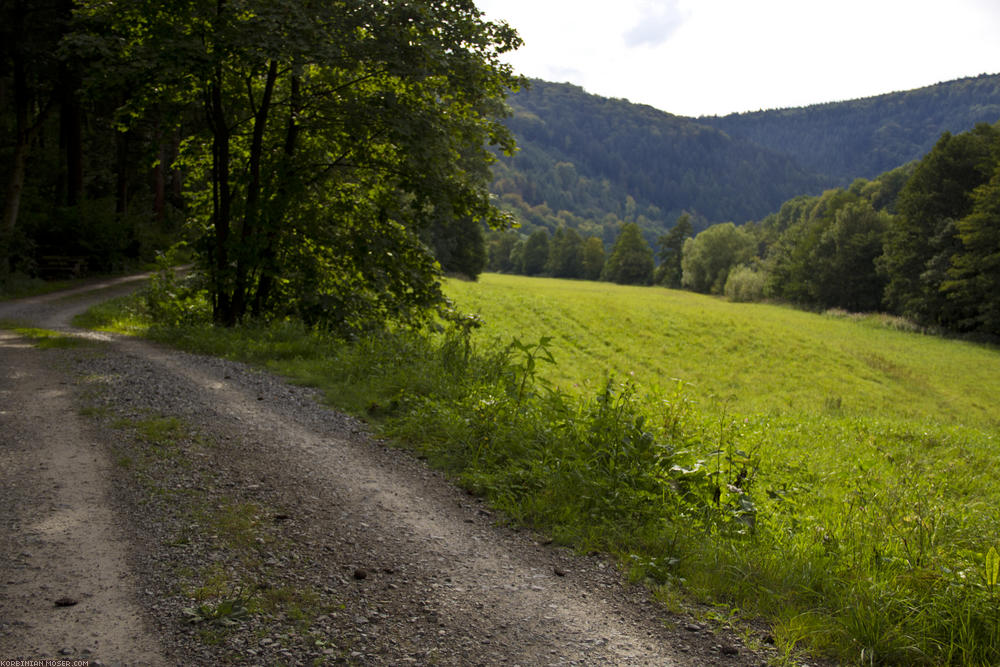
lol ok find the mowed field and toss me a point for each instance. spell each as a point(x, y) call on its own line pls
point(745, 358)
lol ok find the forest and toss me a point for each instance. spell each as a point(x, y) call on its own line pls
point(866, 137)
point(593, 163)
point(304, 155)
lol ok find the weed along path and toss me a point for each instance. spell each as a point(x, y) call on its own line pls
point(197, 511)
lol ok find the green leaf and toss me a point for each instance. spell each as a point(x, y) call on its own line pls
point(992, 567)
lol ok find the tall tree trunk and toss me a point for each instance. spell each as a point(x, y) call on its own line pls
point(249, 236)
point(121, 174)
point(160, 180)
point(71, 134)
point(222, 305)
point(269, 251)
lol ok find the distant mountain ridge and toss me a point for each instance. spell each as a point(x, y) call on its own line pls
point(592, 163)
point(868, 136)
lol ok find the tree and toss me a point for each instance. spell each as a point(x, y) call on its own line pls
point(669, 272)
point(631, 259)
point(843, 265)
point(566, 254)
point(593, 258)
point(709, 257)
point(30, 32)
point(922, 238)
point(458, 245)
point(500, 251)
point(535, 257)
point(974, 277)
point(826, 255)
point(334, 133)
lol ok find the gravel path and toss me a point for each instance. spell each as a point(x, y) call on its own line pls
point(194, 489)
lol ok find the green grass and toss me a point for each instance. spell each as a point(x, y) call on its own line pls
point(45, 339)
point(754, 358)
point(834, 475)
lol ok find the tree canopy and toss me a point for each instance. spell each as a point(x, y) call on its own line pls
point(333, 133)
point(330, 150)
point(631, 258)
point(709, 256)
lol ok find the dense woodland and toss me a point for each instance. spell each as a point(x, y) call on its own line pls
point(307, 152)
point(593, 163)
point(866, 137)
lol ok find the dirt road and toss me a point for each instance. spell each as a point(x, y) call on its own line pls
point(164, 508)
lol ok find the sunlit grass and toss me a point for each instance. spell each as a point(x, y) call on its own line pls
point(750, 358)
point(45, 339)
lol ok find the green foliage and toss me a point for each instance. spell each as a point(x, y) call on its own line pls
point(535, 256)
point(922, 241)
point(974, 276)
point(593, 258)
point(745, 284)
point(526, 361)
point(670, 271)
point(631, 258)
point(171, 300)
point(502, 249)
point(711, 255)
point(334, 139)
point(458, 245)
point(226, 612)
point(566, 254)
point(869, 136)
point(824, 251)
point(596, 163)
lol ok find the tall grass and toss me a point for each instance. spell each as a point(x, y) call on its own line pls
point(837, 477)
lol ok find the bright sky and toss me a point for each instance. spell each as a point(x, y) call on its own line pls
point(705, 57)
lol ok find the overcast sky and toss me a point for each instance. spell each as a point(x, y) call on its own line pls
point(704, 57)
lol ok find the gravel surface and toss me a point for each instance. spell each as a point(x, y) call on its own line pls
point(241, 522)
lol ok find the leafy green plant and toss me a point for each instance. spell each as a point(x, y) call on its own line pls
point(171, 300)
point(226, 612)
point(526, 366)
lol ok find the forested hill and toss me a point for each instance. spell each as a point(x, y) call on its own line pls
point(866, 137)
point(592, 163)
point(607, 160)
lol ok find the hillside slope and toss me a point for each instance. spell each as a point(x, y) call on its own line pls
point(866, 137)
point(604, 161)
point(588, 155)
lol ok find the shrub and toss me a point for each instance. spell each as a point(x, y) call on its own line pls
point(745, 284)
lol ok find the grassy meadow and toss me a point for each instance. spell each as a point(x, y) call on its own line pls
point(835, 475)
point(746, 358)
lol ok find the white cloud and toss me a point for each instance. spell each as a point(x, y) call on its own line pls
point(658, 21)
